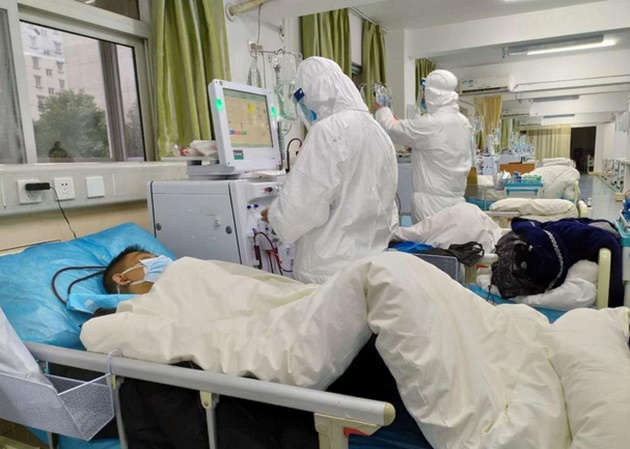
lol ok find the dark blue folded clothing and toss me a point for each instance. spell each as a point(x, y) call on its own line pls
point(556, 246)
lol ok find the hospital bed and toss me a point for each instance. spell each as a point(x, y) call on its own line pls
point(336, 416)
point(340, 420)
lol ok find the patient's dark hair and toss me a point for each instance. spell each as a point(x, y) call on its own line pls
point(108, 282)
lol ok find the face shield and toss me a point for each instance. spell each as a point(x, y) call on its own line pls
point(421, 99)
point(306, 115)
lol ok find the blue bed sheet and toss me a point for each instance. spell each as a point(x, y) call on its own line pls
point(551, 314)
point(482, 204)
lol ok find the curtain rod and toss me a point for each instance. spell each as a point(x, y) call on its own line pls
point(364, 17)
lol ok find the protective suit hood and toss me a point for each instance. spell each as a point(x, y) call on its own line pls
point(439, 91)
point(327, 90)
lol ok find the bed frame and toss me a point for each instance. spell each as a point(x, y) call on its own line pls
point(336, 416)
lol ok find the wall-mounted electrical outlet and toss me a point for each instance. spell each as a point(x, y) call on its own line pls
point(25, 197)
point(64, 188)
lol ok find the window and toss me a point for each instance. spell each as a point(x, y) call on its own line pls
point(11, 136)
point(94, 94)
point(95, 112)
point(357, 70)
point(127, 8)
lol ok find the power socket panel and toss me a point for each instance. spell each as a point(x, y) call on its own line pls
point(26, 197)
point(64, 188)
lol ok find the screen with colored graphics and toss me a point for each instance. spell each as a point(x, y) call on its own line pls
point(248, 119)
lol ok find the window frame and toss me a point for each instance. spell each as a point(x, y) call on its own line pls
point(21, 85)
point(85, 20)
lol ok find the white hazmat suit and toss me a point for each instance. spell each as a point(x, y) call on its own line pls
point(440, 143)
point(338, 202)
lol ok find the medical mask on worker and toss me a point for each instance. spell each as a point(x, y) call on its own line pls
point(153, 269)
point(307, 116)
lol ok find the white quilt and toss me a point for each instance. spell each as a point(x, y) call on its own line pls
point(461, 223)
point(472, 375)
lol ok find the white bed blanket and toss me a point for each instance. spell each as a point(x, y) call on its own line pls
point(472, 375)
point(538, 209)
point(461, 223)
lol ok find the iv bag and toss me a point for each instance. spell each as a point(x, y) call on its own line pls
point(253, 76)
point(381, 93)
point(285, 70)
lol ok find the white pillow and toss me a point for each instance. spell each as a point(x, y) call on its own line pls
point(537, 209)
point(589, 351)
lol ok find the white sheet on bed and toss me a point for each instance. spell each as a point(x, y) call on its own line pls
point(472, 375)
point(461, 223)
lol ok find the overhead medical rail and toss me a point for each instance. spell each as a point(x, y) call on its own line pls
point(335, 414)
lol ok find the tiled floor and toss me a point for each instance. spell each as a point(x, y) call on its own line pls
point(603, 197)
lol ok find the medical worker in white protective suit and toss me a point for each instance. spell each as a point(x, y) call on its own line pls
point(338, 202)
point(440, 143)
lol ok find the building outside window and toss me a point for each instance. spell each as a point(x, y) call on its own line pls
point(91, 103)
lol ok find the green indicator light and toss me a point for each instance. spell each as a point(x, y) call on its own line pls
point(219, 104)
point(274, 113)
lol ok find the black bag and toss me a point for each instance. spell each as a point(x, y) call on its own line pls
point(509, 273)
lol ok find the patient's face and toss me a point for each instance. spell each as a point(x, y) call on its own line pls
point(131, 264)
point(129, 270)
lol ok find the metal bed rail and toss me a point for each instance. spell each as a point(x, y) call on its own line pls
point(336, 416)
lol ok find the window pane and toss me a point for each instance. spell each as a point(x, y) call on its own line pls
point(127, 8)
point(134, 143)
point(83, 97)
point(11, 140)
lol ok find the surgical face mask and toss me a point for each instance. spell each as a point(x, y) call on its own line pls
point(153, 269)
point(307, 115)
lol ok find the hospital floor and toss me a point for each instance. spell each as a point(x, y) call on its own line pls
point(603, 197)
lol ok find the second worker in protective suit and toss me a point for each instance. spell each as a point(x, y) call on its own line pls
point(440, 143)
point(338, 202)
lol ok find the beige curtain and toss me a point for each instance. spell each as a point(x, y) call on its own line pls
point(490, 108)
point(550, 141)
point(327, 34)
point(189, 50)
point(424, 66)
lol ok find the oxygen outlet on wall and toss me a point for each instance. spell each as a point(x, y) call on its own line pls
point(64, 188)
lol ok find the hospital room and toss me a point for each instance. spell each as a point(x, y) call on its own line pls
point(333, 224)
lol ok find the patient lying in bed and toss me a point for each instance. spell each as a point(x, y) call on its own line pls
point(472, 375)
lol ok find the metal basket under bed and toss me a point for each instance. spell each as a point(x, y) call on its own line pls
point(70, 407)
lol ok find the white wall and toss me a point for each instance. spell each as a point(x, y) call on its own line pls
point(356, 36)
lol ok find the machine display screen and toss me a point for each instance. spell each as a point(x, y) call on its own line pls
point(248, 119)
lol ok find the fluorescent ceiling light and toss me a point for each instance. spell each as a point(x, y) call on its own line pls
point(580, 43)
point(559, 116)
point(557, 98)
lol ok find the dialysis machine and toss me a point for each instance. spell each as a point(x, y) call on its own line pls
point(215, 214)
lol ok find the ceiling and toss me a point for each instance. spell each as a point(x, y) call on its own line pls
point(397, 14)
point(594, 103)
